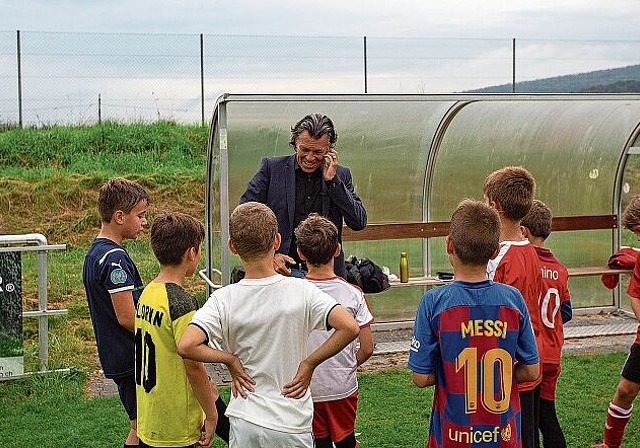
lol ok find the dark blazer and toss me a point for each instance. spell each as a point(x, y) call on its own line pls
point(274, 185)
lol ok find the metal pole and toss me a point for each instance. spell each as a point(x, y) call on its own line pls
point(43, 321)
point(513, 66)
point(202, 75)
point(365, 63)
point(99, 109)
point(19, 78)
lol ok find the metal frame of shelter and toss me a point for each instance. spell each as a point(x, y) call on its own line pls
point(453, 106)
point(35, 242)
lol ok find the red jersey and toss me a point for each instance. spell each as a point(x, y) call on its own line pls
point(555, 293)
point(517, 265)
point(634, 291)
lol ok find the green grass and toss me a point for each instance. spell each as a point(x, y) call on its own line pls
point(51, 411)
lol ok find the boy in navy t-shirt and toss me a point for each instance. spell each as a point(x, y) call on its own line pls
point(113, 286)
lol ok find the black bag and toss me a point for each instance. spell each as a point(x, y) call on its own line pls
point(237, 274)
point(365, 274)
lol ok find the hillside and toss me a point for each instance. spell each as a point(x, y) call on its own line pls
point(615, 80)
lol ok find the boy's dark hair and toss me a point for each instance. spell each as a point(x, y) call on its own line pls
point(172, 234)
point(475, 232)
point(513, 187)
point(252, 229)
point(538, 220)
point(631, 214)
point(317, 239)
point(316, 125)
point(119, 194)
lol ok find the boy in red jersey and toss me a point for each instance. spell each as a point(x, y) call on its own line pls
point(469, 329)
point(621, 404)
point(510, 191)
point(537, 227)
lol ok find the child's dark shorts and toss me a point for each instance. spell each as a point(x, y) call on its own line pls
point(127, 392)
point(631, 369)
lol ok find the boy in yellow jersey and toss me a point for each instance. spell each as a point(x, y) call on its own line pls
point(176, 401)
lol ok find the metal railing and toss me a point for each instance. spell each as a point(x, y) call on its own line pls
point(38, 243)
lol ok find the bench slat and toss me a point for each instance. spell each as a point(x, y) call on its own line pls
point(389, 231)
point(573, 272)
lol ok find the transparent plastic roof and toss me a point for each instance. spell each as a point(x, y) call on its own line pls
point(572, 148)
point(384, 143)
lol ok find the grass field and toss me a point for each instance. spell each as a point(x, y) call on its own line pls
point(52, 411)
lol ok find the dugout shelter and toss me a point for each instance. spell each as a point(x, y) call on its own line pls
point(415, 157)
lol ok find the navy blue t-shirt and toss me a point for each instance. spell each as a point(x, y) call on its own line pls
point(108, 269)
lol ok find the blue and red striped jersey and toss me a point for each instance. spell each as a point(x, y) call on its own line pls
point(471, 335)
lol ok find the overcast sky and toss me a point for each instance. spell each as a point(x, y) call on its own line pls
point(529, 19)
point(435, 46)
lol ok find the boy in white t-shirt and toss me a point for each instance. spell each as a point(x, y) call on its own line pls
point(334, 387)
point(260, 328)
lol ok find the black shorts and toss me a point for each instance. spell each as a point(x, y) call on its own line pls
point(127, 392)
point(631, 369)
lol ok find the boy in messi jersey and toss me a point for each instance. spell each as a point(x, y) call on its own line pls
point(334, 386)
point(555, 311)
point(510, 191)
point(259, 328)
point(112, 284)
point(473, 329)
point(621, 405)
point(178, 406)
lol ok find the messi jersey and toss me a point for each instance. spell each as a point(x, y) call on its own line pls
point(471, 335)
point(169, 413)
point(555, 292)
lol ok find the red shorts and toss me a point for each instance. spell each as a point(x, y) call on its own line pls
point(335, 419)
point(550, 374)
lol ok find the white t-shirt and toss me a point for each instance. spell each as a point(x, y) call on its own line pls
point(336, 378)
point(266, 323)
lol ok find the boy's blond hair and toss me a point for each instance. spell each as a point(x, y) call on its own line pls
point(513, 188)
point(631, 214)
point(538, 220)
point(317, 239)
point(172, 234)
point(474, 232)
point(252, 230)
point(119, 194)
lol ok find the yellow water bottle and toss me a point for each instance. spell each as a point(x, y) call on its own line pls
point(404, 268)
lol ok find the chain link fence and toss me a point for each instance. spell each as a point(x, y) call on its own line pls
point(77, 78)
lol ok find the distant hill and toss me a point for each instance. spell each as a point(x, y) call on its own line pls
point(614, 80)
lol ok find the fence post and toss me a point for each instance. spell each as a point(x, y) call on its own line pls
point(202, 75)
point(513, 66)
point(18, 53)
point(365, 63)
point(99, 109)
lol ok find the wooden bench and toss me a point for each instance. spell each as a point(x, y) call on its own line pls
point(388, 231)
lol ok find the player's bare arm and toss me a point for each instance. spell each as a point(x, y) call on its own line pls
point(193, 345)
point(206, 393)
point(524, 373)
point(365, 350)
point(424, 379)
point(125, 311)
point(346, 330)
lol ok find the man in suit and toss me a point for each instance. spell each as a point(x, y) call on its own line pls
point(309, 181)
